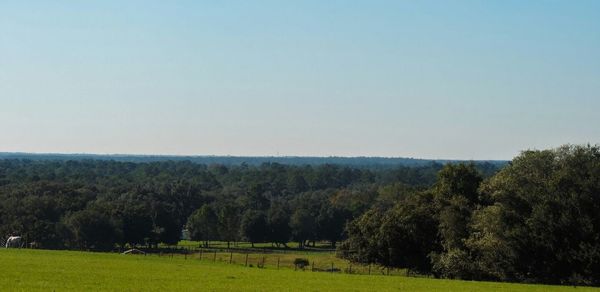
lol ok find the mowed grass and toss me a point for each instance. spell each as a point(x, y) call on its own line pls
point(322, 258)
point(277, 258)
point(27, 270)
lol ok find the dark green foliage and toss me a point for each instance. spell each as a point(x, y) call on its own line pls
point(401, 237)
point(456, 195)
point(331, 222)
point(59, 204)
point(544, 222)
point(279, 224)
point(92, 230)
point(301, 263)
point(410, 233)
point(203, 225)
point(228, 216)
point(537, 220)
point(253, 226)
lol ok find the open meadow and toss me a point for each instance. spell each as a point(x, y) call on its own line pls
point(28, 270)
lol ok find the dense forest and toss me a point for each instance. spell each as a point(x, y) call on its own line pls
point(97, 204)
point(534, 219)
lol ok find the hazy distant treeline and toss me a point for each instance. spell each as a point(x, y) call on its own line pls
point(367, 162)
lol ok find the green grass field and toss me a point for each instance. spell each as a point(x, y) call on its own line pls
point(263, 254)
point(26, 270)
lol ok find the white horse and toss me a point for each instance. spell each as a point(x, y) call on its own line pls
point(13, 241)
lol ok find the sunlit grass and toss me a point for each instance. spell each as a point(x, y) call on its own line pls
point(83, 271)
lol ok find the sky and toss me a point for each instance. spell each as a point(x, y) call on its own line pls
point(427, 79)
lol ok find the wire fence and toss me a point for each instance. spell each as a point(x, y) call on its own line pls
point(297, 260)
point(327, 263)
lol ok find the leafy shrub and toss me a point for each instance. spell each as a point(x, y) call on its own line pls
point(301, 263)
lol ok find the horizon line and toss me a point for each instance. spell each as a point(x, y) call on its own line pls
point(239, 156)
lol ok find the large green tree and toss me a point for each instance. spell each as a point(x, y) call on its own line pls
point(203, 225)
point(456, 195)
point(254, 226)
point(278, 218)
point(92, 230)
point(544, 223)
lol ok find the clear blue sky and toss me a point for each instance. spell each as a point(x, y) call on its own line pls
point(431, 79)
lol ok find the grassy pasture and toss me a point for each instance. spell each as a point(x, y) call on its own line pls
point(26, 270)
point(319, 261)
point(322, 258)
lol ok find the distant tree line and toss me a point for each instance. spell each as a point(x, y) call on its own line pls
point(99, 204)
point(537, 220)
point(356, 162)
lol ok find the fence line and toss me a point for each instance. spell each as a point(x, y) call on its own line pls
point(279, 261)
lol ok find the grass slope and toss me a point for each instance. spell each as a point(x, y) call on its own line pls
point(68, 270)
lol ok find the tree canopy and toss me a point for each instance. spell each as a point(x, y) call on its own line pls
point(536, 220)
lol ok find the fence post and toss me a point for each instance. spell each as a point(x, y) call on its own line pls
point(230, 257)
point(215, 256)
point(369, 269)
point(200, 254)
point(246, 260)
point(278, 262)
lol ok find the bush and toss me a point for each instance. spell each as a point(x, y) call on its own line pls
point(301, 263)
